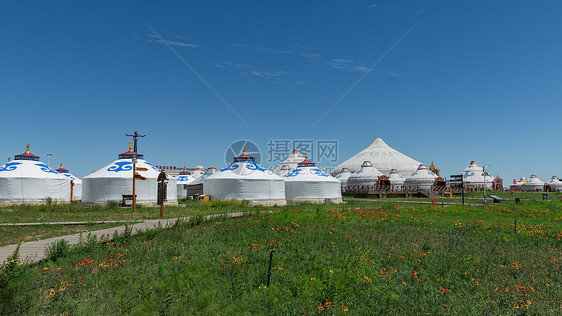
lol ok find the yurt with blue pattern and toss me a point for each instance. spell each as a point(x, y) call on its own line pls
point(309, 183)
point(113, 181)
point(26, 179)
point(245, 180)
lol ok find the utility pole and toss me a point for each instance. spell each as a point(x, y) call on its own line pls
point(135, 137)
point(49, 160)
point(484, 175)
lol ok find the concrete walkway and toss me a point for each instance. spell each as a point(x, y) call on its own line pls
point(67, 223)
point(34, 251)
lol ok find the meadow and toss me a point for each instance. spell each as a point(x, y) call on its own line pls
point(375, 258)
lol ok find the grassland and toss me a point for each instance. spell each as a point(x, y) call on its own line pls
point(377, 259)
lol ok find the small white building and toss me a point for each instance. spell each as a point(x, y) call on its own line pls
point(554, 184)
point(473, 177)
point(396, 180)
point(182, 180)
point(343, 176)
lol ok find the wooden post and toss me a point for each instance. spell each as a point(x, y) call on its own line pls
point(71, 189)
point(134, 193)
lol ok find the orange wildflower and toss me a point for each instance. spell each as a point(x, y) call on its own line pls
point(52, 292)
point(320, 308)
point(345, 309)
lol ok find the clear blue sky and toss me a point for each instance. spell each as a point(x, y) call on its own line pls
point(472, 80)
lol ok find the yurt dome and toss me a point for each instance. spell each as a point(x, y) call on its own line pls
point(182, 179)
point(113, 181)
point(555, 184)
point(396, 180)
point(422, 179)
point(533, 184)
point(343, 176)
point(473, 177)
point(77, 190)
point(199, 180)
point(245, 180)
point(364, 179)
point(383, 157)
point(291, 161)
point(309, 183)
point(197, 172)
point(285, 170)
point(26, 179)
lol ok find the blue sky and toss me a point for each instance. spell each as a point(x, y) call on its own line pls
point(471, 80)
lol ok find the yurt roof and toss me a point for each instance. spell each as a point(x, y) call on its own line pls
point(422, 172)
point(244, 170)
point(292, 160)
point(383, 157)
point(27, 155)
point(308, 172)
point(28, 169)
point(535, 180)
point(553, 180)
point(395, 177)
point(367, 171)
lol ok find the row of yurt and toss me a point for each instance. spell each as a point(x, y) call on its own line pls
point(113, 181)
point(26, 179)
point(195, 187)
point(244, 179)
point(368, 179)
point(533, 184)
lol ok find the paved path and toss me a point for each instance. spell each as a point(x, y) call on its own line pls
point(67, 223)
point(34, 251)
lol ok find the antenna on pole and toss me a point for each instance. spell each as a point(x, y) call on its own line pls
point(135, 137)
point(49, 160)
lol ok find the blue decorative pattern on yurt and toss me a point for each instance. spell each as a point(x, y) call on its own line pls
point(45, 168)
point(10, 166)
point(121, 166)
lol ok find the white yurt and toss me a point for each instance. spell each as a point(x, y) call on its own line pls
point(26, 179)
point(364, 180)
point(343, 176)
point(533, 184)
point(291, 161)
point(516, 186)
point(195, 187)
point(183, 179)
point(473, 177)
point(285, 170)
point(245, 180)
point(422, 179)
point(197, 172)
point(309, 183)
point(396, 180)
point(554, 184)
point(77, 189)
point(113, 181)
point(383, 157)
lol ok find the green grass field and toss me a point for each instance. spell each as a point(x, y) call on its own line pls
point(377, 259)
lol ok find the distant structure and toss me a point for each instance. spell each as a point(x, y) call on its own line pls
point(434, 170)
point(498, 183)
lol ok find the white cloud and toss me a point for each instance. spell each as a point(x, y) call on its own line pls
point(156, 39)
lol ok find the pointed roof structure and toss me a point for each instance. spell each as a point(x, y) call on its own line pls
point(292, 161)
point(383, 157)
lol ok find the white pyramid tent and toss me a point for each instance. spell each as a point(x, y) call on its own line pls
point(343, 176)
point(113, 181)
point(533, 184)
point(383, 157)
point(555, 184)
point(473, 177)
point(291, 161)
point(182, 179)
point(311, 184)
point(365, 179)
point(245, 180)
point(77, 189)
point(396, 180)
point(26, 179)
point(421, 179)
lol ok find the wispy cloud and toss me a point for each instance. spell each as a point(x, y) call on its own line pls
point(155, 39)
point(299, 83)
point(347, 64)
point(390, 73)
point(251, 70)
